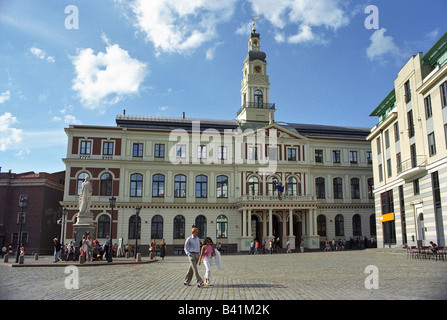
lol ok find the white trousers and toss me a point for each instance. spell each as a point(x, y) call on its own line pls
point(207, 264)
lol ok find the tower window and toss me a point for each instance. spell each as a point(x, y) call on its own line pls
point(258, 99)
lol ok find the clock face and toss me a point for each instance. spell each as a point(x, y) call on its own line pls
point(258, 68)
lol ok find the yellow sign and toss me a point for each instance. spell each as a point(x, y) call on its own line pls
point(386, 217)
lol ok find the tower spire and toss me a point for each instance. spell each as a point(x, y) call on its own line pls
point(254, 21)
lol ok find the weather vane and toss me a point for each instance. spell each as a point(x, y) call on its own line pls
point(254, 19)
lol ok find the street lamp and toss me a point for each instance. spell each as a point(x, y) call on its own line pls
point(64, 218)
point(137, 212)
point(23, 202)
point(112, 201)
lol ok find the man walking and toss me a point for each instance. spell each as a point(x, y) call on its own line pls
point(192, 250)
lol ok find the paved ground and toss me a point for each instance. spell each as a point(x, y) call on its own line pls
point(296, 276)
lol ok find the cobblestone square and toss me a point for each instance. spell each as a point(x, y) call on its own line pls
point(293, 276)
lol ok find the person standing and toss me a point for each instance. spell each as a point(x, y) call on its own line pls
point(153, 248)
point(207, 253)
point(57, 248)
point(192, 250)
point(163, 249)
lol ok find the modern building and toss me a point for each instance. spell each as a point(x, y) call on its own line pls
point(40, 217)
point(222, 175)
point(409, 148)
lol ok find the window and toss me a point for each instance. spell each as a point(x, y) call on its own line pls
point(428, 110)
point(159, 150)
point(379, 146)
point(136, 185)
point(258, 99)
point(369, 157)
point(222, 153)
point(396, 132)
point(271, 185)
point(180, 186)
point(253, 186)
point(389, 168)
point(201, 152)
point(81, 178)
point(416, 187)
point(103, 226)
point(253, 153)
point(336, 156)
point(387, 139)
point(355, 188)
point(407, 91)
point(380, 173)
point(157, 227)
point(86, 147)
point(107, 148)
point(292, 187)
point(413, 154)
point(291, 154)
point(320, 188)
point(200, 224)
point(222, 227)
point(106, 184)
point(399, 162)
point(443, 90)
point(370, 182)
point(201, 186)
point(319, 156)
point(356, 226)
point(339, 226)
point(353, 157)
point(338, 188)
point(387, 202)
point(134, 227)
point(222, 186)
point(410, 124)
point(179, 227)
point(431, 144)
point(181, 151)
point(321, 225)
point(158, 186)
point(137, 150)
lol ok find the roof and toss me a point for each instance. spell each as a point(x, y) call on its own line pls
point(329, 131)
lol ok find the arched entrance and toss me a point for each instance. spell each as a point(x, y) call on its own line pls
point(276, 227)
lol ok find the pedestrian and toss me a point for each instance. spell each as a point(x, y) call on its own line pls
point(70, 251)
point(163, 249)
point(57, 248)
point(89, 247)
point(84, 247)
point(192, 250)
point(288, 247)
point(271, 246)
point(152, 249)
point(256, 247)
point(302, 246)
point(252, 248)
point(207, 253)
point(22, 250)
point(327, 246)
point(263, 246)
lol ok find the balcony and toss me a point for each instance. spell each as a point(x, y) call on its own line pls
point(274, 198)
point(411, 168)
point(254, 105)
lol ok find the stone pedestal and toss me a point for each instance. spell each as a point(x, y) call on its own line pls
point(36, 256)
point(83, 226)
point(21, 259)
point(138, 258)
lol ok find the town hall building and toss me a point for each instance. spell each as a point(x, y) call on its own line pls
point(169, 174)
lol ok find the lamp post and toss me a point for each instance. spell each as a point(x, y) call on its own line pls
point(112, 201)
point(23, 202)
point(64, 218)
point(137, 213)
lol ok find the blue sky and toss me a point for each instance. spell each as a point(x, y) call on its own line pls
point(83, 62)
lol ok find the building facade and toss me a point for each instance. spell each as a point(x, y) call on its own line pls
point(409, 147)
point(224, 176)
point(44, 191)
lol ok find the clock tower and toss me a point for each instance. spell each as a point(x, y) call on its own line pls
point(255, 106)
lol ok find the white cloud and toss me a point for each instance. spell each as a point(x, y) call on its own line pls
point(9, 137)
point(306, 14)
point(104, 78)
point(382, 46)
point(39, 53)
point(180, 26)
point(4, 96)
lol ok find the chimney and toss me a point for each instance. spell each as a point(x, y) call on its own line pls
point(124, 112)
point(183, 115)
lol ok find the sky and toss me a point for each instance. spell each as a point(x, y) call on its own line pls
point(68, 62)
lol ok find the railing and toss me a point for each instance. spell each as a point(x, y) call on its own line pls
point(266, 198)
point(256, 105)
point(418, 161)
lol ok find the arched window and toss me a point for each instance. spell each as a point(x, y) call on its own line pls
point(222, 227)
point(356, 225)
point(158, 186)
point(179, 227)
point(370, 188)
point(106, 184)
point(134, 227)
point(222, 186)
point(320, 188)
point(258, 99)
point(338, 188)
point(272, 182)
point(339, 226)
point(200, 224)
point(321, 225)
point(355, 188)
point(81, 178)
point(253, 186)
point(180, 186)
point(201, 186)
point(103, 226)
point(157, 227)
point(292, 187)
point(136, 185)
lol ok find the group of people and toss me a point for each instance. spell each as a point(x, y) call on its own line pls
point(342, 244)
point(198, 253)
point(88, 248)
